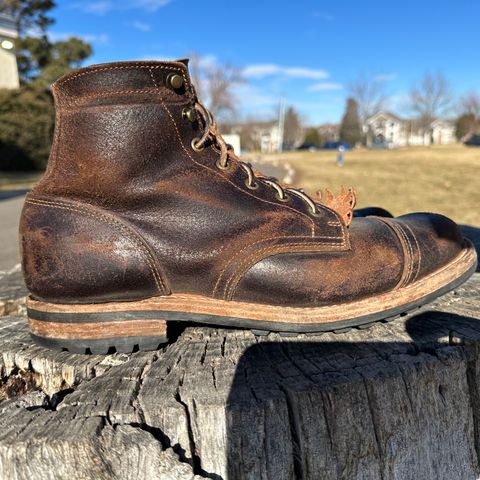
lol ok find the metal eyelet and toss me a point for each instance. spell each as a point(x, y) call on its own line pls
point(174, 81)
point(316, 213)
point(285, 198)
point(251, 186)
point(195, 147)
point(189, 114)
point(228, 166)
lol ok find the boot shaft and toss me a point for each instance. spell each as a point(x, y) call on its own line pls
point(114, 136)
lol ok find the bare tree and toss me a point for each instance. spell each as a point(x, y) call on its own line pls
point(214, 84)
point(370, 95)
point(469, 104)
point(430, 98)
point(292, 128)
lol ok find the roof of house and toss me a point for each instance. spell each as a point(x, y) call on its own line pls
point(413, 122)
point(385, 114)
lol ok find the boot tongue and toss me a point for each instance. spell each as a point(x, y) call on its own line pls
point(184, 61)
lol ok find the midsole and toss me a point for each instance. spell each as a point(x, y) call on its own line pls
point(89, 330)
point(197, 308)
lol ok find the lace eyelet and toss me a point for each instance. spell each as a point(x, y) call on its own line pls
point(195, 147)
point(189, 114)
point(315, 213)
point(226, 167)
point(251, 186)
point(284, 199)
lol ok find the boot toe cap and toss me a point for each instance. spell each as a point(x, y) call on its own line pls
point(433, 240)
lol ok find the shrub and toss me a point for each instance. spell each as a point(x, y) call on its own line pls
point(26, 128)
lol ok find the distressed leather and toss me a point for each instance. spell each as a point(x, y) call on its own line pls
point(179, 224)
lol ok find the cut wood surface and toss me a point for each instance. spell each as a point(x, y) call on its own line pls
point(400, 400)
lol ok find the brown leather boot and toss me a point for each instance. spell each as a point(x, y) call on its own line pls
point(145, 217)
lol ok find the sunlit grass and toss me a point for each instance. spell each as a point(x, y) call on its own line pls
point(443, 179)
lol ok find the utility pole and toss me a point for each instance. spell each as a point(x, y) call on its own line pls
point(281, 124)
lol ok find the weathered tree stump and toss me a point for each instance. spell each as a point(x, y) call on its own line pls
point(400, 400)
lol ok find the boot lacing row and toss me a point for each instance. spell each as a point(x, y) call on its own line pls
point(227, 155)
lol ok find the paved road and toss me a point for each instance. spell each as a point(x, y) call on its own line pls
point(10, 207)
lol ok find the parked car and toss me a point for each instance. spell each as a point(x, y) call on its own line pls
point(311, 147)
point(336, 145)
point(473, 141)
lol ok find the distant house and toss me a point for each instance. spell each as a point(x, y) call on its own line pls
point(262, 136)
point(329, 132)
point(443, 132)
point(233, 139)
point(388, 129)
point(8, 60)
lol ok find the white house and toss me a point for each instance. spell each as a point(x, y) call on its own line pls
point(8, 60)
point(263, 136)
point(233, 139)
point(443, 132)
point(385, 128)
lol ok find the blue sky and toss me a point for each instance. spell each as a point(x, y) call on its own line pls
point(307, 51)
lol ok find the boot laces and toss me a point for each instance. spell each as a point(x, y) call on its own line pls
point(227, 155)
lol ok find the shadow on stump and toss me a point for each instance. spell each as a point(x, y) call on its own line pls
point(373, 409)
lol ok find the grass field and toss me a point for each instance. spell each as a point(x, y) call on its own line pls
point(443, 179)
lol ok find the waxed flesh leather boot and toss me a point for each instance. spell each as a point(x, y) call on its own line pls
point(145, 217)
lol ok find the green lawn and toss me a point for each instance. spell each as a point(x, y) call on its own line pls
point(443, 179)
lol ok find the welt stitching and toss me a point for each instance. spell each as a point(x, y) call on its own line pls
point(70, 101)
point(72, 107)
point(410, 252)
point(232, 259)
point(115, 92)
point(405, 246)
point(243, 266)
point(124, 67)
point(409, 261)
point(118, 227)
point(153, 78)
point(131, 67)
point(418, 249)
point(225, 178)
point(410, 249)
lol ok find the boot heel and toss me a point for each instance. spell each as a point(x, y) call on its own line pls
point(95, 328)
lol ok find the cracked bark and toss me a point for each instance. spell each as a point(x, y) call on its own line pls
point(398, 401)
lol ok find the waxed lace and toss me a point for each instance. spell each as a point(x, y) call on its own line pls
point(227, 155)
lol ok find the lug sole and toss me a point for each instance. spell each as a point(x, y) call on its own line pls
point(142, 325)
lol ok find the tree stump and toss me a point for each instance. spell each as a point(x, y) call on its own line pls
point(400, 400)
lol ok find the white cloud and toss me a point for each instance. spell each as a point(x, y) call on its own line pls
point(101, 7)
point(251, 97)
point(207, 61)
point(385, 77)
point(97, 8)
point(270, 69)
point(99, 39)
point(324, 86)
point(149, 5)
point(140, 26)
